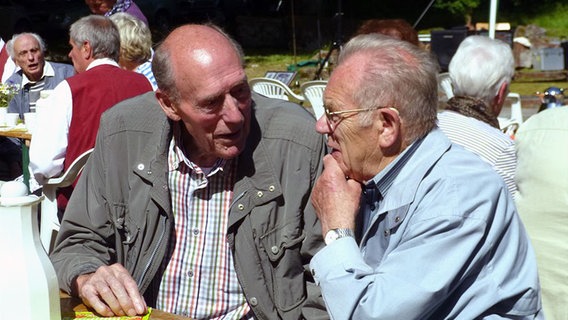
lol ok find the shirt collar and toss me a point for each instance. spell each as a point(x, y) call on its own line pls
point(47, 72)
point(101, 61)
point(384, 179)
point(177, 156)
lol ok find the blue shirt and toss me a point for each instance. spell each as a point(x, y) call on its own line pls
point(446, 242)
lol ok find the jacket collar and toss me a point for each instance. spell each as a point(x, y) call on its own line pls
point(403, 191)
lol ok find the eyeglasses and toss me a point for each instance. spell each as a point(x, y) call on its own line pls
point(333, 117)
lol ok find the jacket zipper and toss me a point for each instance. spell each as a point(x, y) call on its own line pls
point(147, 267)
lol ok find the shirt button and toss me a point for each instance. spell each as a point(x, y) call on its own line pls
point(253, 301)
point(241, 206)
point(274, 249)
point(271, 188)
point(141, 166)
point(372, 207)
point(190, 273)
point(387, 232)
point(195, 231)
point(397, 219)
point(149, 172)
point(260, 194)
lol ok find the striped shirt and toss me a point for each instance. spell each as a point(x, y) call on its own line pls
point(489, 143)
point(200, 281)
point(146, 70)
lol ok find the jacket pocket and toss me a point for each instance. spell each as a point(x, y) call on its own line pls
point(283, 249)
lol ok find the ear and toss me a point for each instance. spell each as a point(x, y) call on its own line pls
point(87, 51)
point(390, 131)
point(167, 105)
point(500, 98)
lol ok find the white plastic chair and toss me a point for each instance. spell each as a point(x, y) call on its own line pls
point(445, 86)
point(273, 88)
point(511, 124)
point(313, 92)
point(49, 225)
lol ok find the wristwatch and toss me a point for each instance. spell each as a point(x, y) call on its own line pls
point(335, 234)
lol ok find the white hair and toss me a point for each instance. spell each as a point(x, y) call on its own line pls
point(480, 66)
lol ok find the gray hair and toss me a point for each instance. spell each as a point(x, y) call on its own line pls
point(480, 66)
point(10, 43)
point(100, 32)
point(135, 37)
point(397, 74)
point(163, 71)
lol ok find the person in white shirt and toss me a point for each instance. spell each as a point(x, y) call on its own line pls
point(481, 71)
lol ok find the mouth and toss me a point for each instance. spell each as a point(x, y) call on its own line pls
point(230, 136)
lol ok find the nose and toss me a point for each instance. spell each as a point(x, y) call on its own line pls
point(322, 126)
point(232, 112)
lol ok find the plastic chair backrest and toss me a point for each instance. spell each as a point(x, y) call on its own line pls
point(445, 86)
point(313, 92)
point(49, 225)
point(273, 88)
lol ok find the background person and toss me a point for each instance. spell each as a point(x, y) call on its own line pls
point(76, 104)
point(110, 7)
point(435, 234)
point(395, 28)
point(135, 45)
point(542, 201)
point(481, 71)
point(200, 195)
point(34, 74)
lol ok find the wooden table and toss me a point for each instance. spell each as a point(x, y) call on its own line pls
point(26, 137)
point(69, 304)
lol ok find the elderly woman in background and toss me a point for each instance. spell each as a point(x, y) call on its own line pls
point(135, 45)
point(110, 7)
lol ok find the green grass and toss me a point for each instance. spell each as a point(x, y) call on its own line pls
point(553, 18)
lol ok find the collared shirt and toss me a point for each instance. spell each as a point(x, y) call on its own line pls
point(146, 70)
point(489, 143)
point(200, 280)
point(447, 243)
point(35, 87)
point(377, 188)
point(47, 151)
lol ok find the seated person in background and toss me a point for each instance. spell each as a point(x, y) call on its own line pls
point(416, 227)
point(27, 50)
point(135, 45)
point(481, 72)
point(76, 104)
point(395, 28)
point(110, 7)
point(542, 201)
point(35, 74)
point(200, 195)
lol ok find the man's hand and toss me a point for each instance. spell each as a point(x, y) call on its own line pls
point(335, 197)
point(111, 291)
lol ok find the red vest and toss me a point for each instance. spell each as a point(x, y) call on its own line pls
point(94, 91)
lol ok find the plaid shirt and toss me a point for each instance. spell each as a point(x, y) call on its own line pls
point(200, 280)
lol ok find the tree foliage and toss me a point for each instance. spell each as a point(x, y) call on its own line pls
point(458, 7)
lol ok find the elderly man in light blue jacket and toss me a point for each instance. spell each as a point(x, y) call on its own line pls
point(415, 227)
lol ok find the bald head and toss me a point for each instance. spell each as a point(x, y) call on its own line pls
point(188, 51)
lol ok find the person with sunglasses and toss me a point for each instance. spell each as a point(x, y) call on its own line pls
point(415, 227)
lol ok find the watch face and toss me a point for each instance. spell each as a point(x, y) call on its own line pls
point(331, 236)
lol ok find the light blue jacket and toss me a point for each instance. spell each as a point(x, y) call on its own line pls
point(446, 243)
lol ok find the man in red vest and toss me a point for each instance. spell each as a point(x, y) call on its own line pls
point(7, 65)
point(68, 125)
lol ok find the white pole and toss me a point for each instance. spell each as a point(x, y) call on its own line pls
point(492, 18)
